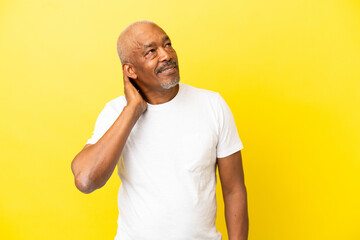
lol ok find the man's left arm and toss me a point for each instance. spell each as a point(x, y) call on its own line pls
point(235, 196)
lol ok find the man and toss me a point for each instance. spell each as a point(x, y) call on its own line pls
point(167, 139)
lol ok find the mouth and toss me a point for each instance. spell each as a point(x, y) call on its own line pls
point(167, 69)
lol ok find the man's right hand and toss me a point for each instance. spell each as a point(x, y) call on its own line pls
point(133, 97)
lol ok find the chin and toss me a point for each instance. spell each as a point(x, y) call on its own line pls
point(171, 84)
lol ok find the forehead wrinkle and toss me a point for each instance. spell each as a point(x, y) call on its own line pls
point(135, 49)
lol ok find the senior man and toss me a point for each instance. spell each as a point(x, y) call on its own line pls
point(167, 139)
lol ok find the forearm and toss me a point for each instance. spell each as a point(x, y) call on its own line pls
point(236, 214)
point(93, 166)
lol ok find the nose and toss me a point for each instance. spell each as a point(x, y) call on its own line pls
point(164, 55)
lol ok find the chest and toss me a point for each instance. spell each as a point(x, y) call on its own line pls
point(182, 138)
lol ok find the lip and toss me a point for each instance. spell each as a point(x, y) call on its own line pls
point(168, 72)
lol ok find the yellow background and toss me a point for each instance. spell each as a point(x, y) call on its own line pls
point(289, 70)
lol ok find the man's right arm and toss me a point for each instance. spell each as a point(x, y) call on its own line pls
point(95, 163)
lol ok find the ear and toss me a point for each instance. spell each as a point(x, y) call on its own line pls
point(128, 70)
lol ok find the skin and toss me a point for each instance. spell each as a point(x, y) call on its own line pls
point(235, 196)
point(148, 49)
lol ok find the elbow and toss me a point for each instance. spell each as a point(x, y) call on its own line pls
point(82, 181)
point(84, 184)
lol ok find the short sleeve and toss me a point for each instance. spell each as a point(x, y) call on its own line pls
point(104, 121)
point(228, 140)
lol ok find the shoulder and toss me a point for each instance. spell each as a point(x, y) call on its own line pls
point(209, 100)
point(201, 94)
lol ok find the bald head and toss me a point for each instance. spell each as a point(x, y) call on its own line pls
point(127, 39)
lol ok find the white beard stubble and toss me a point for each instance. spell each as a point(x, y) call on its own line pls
point(171, 84)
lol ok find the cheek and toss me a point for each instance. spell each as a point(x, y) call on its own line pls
point(175, 55)
point(151, 66)
point(146, 71)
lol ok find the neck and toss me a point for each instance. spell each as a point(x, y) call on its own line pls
point(160, 96)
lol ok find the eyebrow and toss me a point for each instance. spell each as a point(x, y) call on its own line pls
point(149, 45)
point(153, 43)
point(166, 38)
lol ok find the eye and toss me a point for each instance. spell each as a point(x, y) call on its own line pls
point(150, 51)
point(168, 44)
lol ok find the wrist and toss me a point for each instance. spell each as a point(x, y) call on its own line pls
point(134, 110)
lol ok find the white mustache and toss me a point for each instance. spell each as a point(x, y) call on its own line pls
point(174, 64)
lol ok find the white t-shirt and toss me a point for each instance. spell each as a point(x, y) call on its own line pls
point(168, 165)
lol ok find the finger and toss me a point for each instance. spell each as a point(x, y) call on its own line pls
point(128, 85)
point(127, 82)
point(126, 78)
